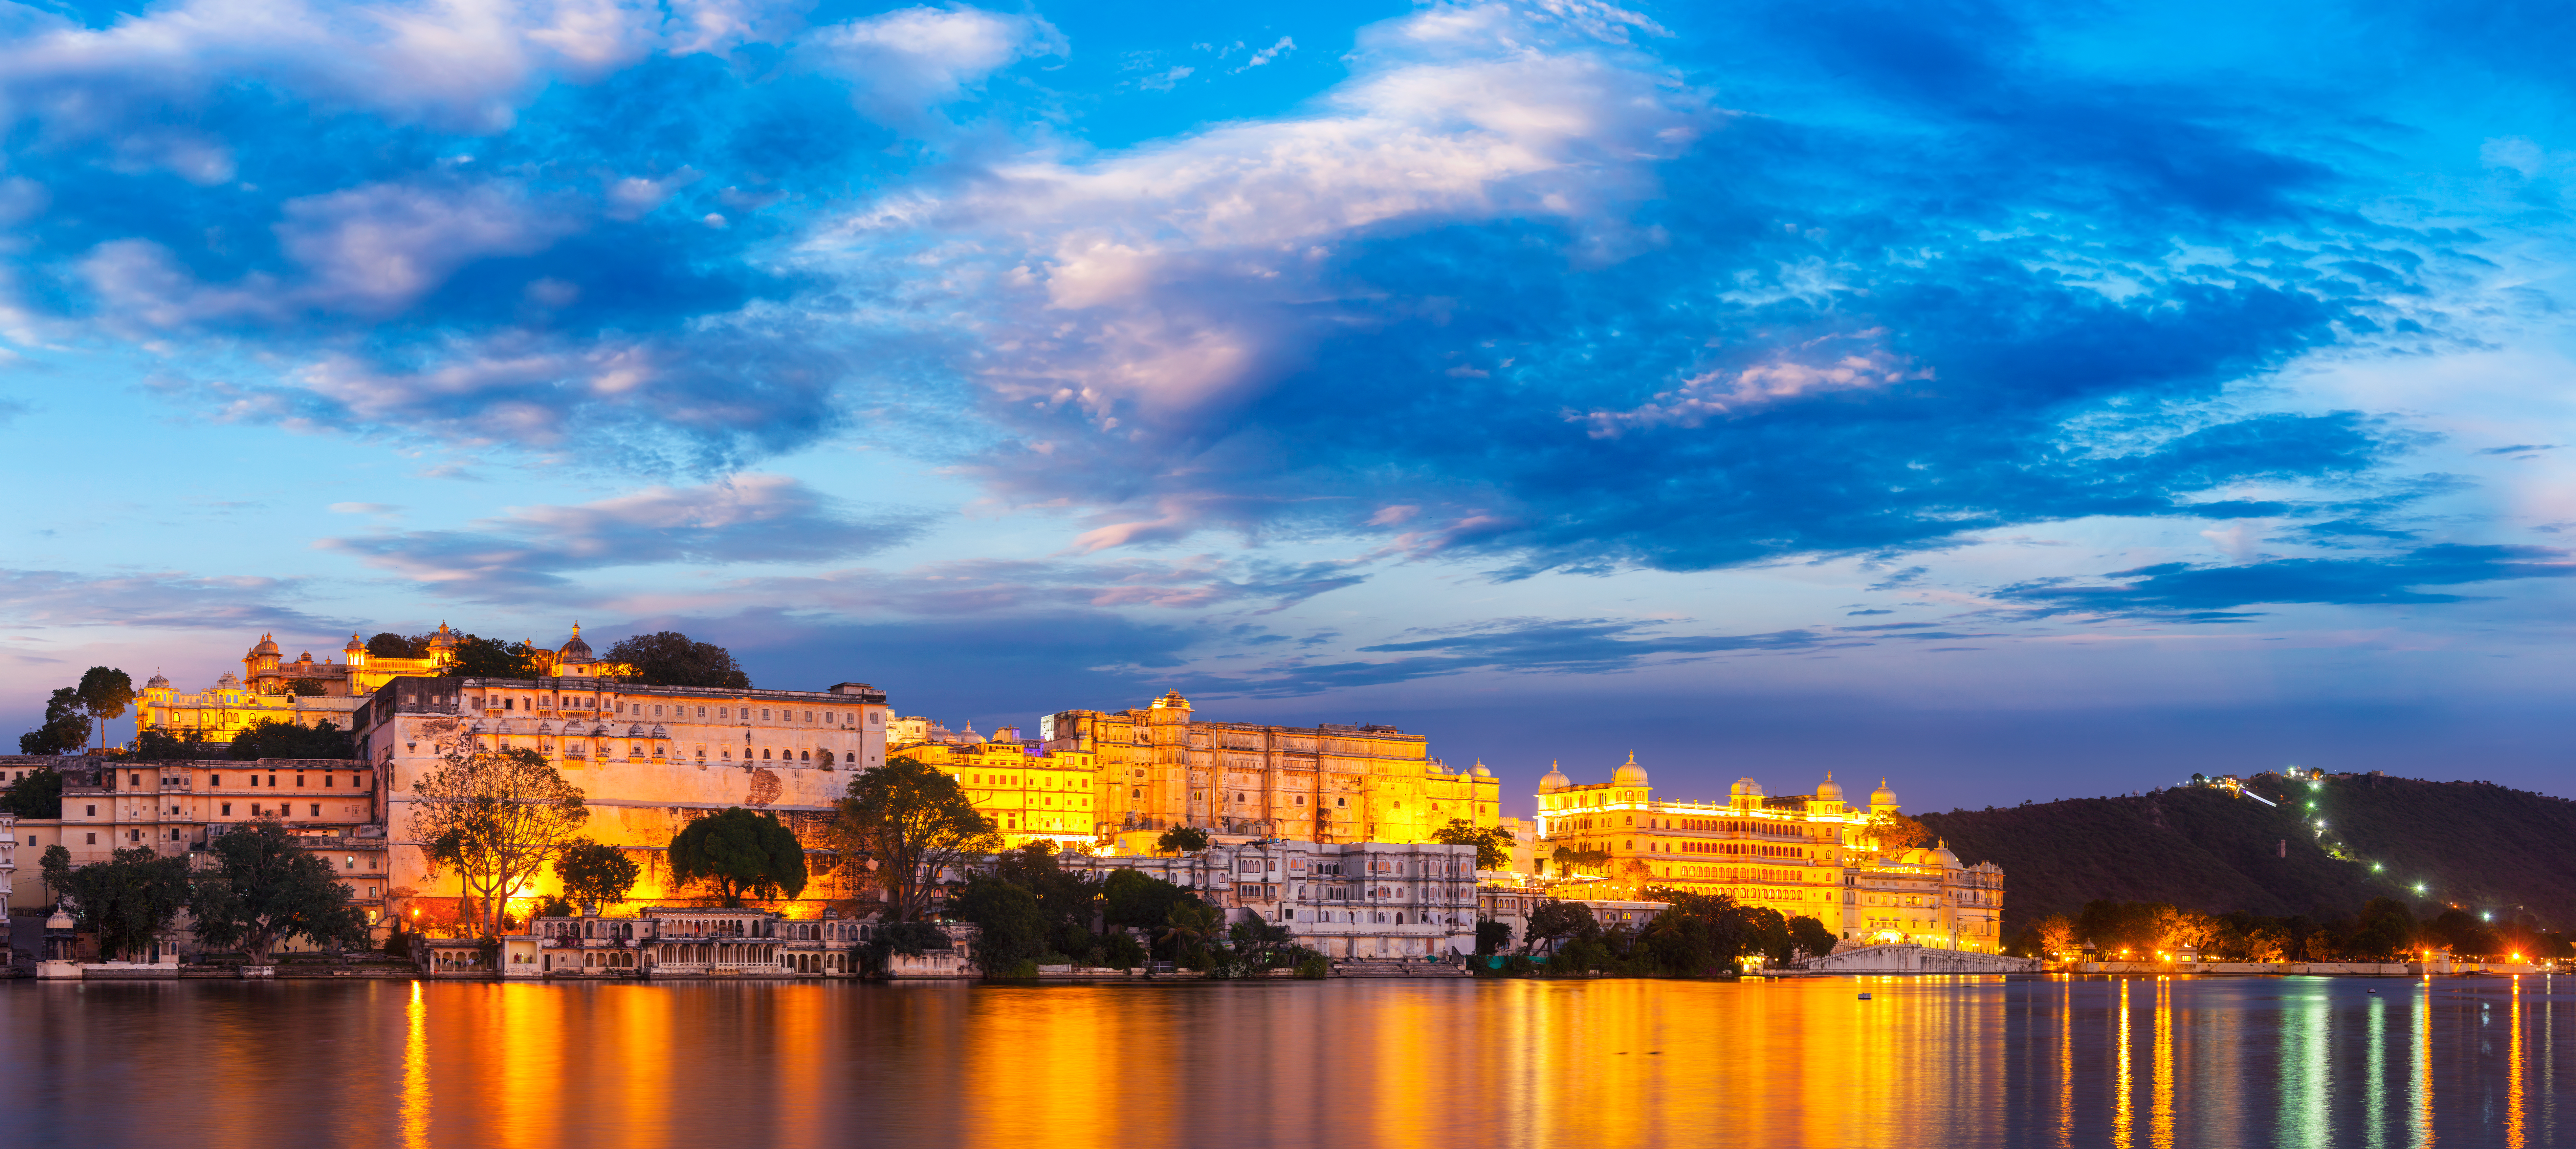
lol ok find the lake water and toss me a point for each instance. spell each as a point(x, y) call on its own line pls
point(1967, 1061)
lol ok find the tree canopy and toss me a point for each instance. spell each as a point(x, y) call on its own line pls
point(670, 658)
point(66, 727)
point(266, 889)
point(38, 795)
point(155, 744)
point(480, 657)
point(105, 692)
point(387, 644)
point(127, 900)
point(596, 872)
point(278, 738)
point(1182, 840)
point(497, 818)
point(1493, 843)
point(911, 821)
point(739, 852)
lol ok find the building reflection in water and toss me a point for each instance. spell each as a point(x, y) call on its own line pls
point(1969, 1061)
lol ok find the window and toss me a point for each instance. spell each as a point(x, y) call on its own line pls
point(93, 840)
point(326, 781)
point(93, 812)
point(299, 781)
point(657, 712)
point(702, 712)
point(1341, 801)
point(764, 716)
point(228, 809)
point(317, 809)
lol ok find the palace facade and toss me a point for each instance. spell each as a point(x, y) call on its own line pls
point(1160, 766)
point(308, 693)
point(1805, 855)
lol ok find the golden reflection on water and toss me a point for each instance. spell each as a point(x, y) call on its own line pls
point(1953, 1061)
point(415, 1081)
point(2123, 1111)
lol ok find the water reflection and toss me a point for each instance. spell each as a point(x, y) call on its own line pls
point(1972, 1061)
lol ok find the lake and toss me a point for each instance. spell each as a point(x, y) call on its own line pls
point(1927, 1061)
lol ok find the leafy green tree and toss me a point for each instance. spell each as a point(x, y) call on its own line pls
point(596, 872)
point(66, 727)
point(387, 644)
point(1492, 937)
point(38, 795)
point(266, 889)
point(1182, 840)
point(1493, 843)
point(279, 738)
point(154, 744)
point(1065, 899)
point(105, 693)
point(1893, 831)
point(670, 658)
point(908, 821)
point(480, 657)
point(307, 688)
point(739, 852)
point(127, 900)
point(1188, 927)
point(1573, 861)
point(1258, 942)
point(1133, 898)
point(497, 819)
point(1554, 921)
point(1012, 930)
point(1811, 937)
point(1123, 951)
point(2387, 931)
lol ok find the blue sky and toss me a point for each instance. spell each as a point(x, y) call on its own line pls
point(2013, 400)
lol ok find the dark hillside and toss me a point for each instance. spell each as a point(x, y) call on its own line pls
point(2479, 846)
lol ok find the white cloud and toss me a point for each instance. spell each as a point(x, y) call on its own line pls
point(1813, 367)
point(1153, 286)
point(903, 64)
point(1268, 54)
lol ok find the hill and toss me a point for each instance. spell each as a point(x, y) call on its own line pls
point(2476, 845)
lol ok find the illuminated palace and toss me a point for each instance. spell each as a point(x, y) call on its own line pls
point(1131, 774)
point(309, 693)
point(1808, 855)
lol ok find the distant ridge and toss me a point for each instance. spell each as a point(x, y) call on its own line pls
point(2476, 844)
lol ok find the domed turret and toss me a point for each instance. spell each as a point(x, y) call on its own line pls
point(445, 639)
point(1554, 780)
point(1882, 796)
point(156, 682)
point(1942, 856)
point(574, 652)
point(1630, 774)
point(1829, 790)
point(267, 646)
point(354, 648)
point(1480, 770)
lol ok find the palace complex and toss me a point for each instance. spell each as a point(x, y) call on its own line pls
point(1810, 855)
point(309, 693)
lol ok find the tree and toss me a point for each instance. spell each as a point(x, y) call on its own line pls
point(1492, 937)
point(739, 852)
point(127, 900)
point(38, 795)
point(1555, 920)
point(596, 872)
point(279, 738)
point(912, 822)
point(1893, 831)
point(1011, 928)
point(1811, 937)
point(307, 688)
point(2056, 935)
point(104, 692)
point(1133, 898)
point(66, 727)
point(670, 658)
point(497, 818)
point(480, 657)
point(266, 889)
point(1181, 840)
point(154, 744)
point(1188, 926)
point(1493, 843)
point(387, 644)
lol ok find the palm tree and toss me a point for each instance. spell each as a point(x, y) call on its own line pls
point(1190, 924)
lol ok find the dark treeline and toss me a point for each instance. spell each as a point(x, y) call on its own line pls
point(1701, 935)
point(2384, 929)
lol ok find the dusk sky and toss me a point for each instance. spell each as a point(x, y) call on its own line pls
point(2018, 401)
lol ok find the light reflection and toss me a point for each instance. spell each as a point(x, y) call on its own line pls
point(2162, 1114)
point(2374, 1084)
point(2513, 1128)
point(2424, 1064)
point(2066, 1063)
point(2123, 1113)
point(415, 1087)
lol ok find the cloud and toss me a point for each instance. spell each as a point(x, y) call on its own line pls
point(746, 519)
point(1266, 55)
point(156, 600)
point(995, 586)
point(904, 64)
point(2208, 593)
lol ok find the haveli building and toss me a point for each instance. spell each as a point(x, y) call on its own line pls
point(309, 693)
point(1809, 855)
point(1160, 767)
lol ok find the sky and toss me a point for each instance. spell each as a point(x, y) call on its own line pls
point(2011, 400)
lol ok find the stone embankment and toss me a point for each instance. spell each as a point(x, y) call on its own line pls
point(1917, 959)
